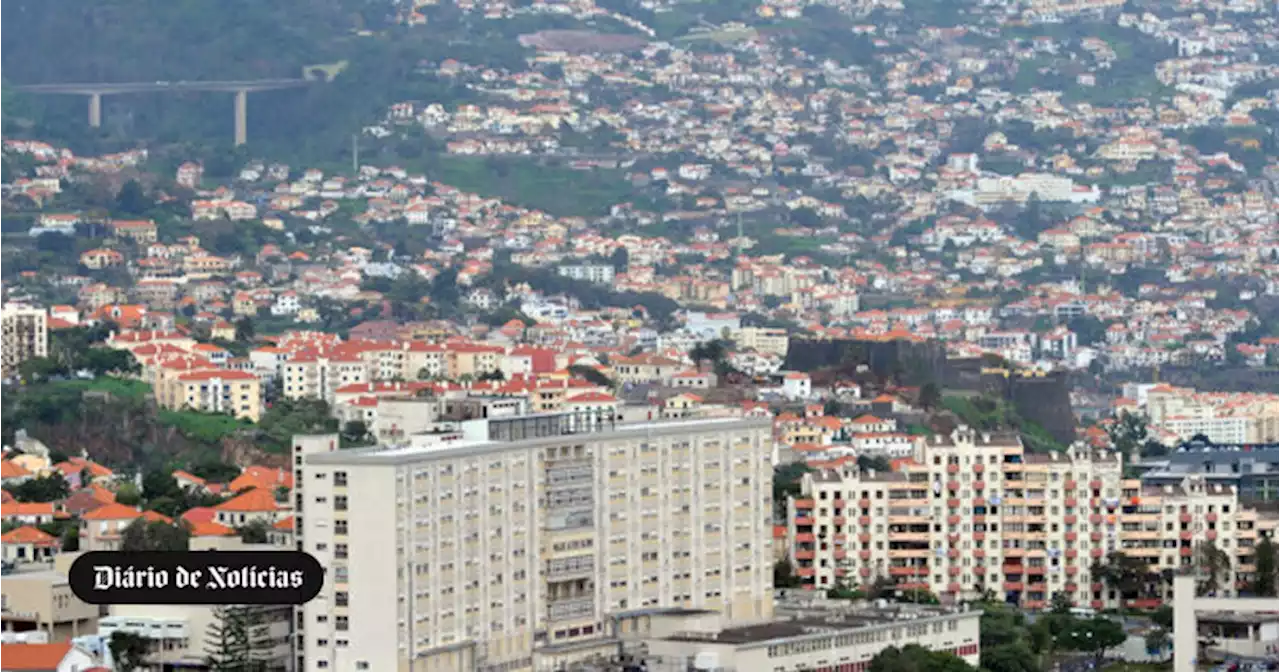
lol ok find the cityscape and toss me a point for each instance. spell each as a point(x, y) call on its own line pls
point(644, 335)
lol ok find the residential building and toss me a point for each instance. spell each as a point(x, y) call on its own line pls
point(24, 335)
point(238, 393)
point(39, 598)
point(599, 274)
point(974, 512)
point(515, 542)
point(763, 339)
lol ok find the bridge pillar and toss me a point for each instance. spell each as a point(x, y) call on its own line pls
point(95, 110)
point(242, 116)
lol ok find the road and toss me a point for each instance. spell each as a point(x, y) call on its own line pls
point(151, 87)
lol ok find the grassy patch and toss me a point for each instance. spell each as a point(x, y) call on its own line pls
point(207, 428)
point(561, 192)
point(116, 387)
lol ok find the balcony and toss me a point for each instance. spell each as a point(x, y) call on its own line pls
point(864, 503)
point(1186, 551)
point(804, 504)
point(841, 554)
point(1184, 518)
point(571, 608)
point(979, 467)
point(1095, 536)
point(953, 485)
point(953, 468)
point(1185, 535)
point(1033, 570)
point(803, 521)
point(1072, 553)
point(804, 538)
point(804, 555)
point(979, 485)
point(1095, 484)
point(1072, 536)
point(1070, 519)
point(909, 571)
point(1070, 502)
point(1068, 486)
point(1013, 585)
point(1211, 517)
point(1210, 534)
point(953, 502)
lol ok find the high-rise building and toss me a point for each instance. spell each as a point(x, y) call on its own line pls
point(24, 335)
point(512, 543)
point(973, 512)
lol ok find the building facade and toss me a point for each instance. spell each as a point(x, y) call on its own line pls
point(509, 544)
point(973, 512)
point(24, 334)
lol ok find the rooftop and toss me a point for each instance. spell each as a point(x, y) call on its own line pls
point(855, 619)
point(530, 430)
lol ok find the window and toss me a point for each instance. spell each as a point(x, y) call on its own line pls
point(340, 503)
point(342, 623)
point(340, 478)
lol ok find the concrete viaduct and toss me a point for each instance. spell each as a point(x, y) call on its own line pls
point(242, 89)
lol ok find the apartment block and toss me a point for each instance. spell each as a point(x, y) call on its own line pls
point(24, 334)
point(512, 543)
point(307, 376)
point(38, 598)
point(238, 393)
point(973, 512)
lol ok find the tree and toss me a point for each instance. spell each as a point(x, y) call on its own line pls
point(1163, 617)
point(128, 494)
point(143, 535)
point(132, 200)
point(1128, 433)
point(1094, 636)
point(784, 576)
point(245, 329)
point(591, 375)
point(256, 532)
point(235, 640)
point(878, 463)
point(1264, 561)
point(156, 484)
point(620, 259)
point(1213, 567)
point(355, 432)
point(128, 650)
point(930, 396)
point(1124, 574)
point(916, 658)
point(43, 489)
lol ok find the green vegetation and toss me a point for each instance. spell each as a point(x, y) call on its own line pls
point(984, 413)
point(916, 658)
point(204, 427)
point(524, 183)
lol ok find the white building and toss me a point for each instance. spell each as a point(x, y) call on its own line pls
point(600, 274)
point(833, 641)
point(24, 335)
point(511, 545)
point(797, 385)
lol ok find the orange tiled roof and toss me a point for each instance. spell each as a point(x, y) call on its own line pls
point(255, 500)
point(209, 529)
point(113, 512)
point(29, 535)
point(26, 509)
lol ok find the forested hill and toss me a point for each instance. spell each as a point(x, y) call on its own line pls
point(151, 40)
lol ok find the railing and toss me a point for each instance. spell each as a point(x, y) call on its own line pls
point(577, 607)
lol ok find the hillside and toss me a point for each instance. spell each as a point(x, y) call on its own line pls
point(168, 40)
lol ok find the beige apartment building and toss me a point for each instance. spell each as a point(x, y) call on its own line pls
point(974, 513)
point(763, 339)
point(312, 377)
point(512, 544)
point(24, 334)
point(238, 393)
point(1222, 417)
point(39, 598)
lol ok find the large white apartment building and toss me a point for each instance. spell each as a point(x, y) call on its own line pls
point(973, 512)
point(513, 543)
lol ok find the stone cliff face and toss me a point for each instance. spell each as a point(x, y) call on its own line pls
point(907, 362)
